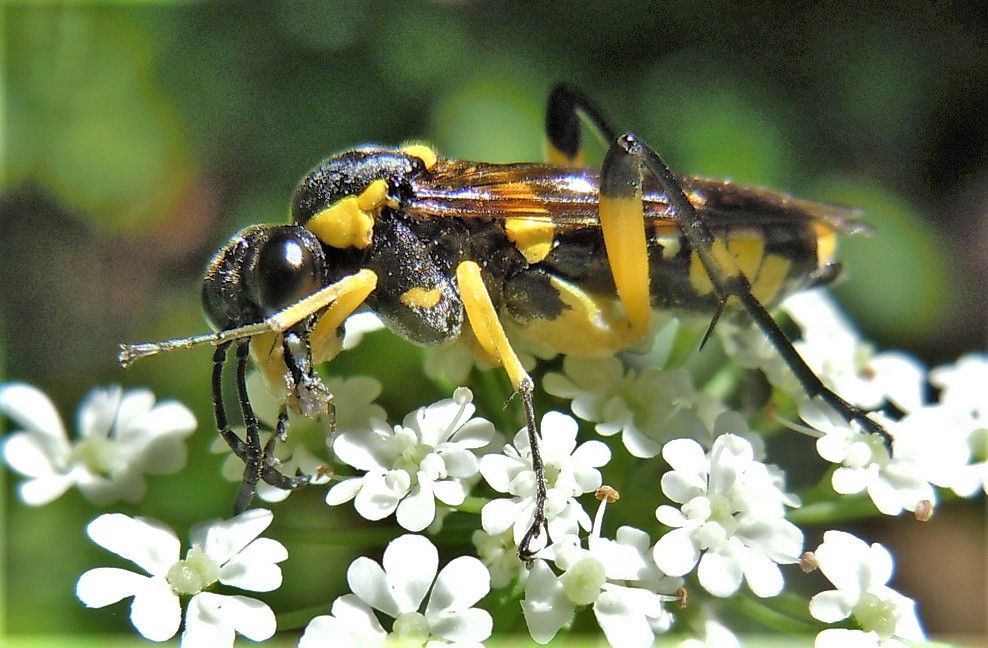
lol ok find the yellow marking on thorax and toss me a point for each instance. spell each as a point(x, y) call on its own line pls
point(423, 152)
point(533, 238)
point(419, 297)
point(349, 222)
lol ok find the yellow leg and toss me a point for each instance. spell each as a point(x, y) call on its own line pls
point(323, 340)
point(486, 327)
point(622, 221)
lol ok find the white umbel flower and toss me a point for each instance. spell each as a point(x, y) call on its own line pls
point(614, 577)
point(846, 363)
point(895, 481)
point(228, 552)
point(431, 456)
point(861, 574)
point(647, 407)
point(732, 519)
point(964, 392)
point(397, 588)
point(121, 436)
point(570, 471)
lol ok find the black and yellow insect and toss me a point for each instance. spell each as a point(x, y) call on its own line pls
point(442, 249)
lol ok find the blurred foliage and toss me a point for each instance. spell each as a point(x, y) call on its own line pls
point(137, 138)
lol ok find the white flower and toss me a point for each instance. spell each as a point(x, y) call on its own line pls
point(964, 385)
point(397, 590)
point(648, 407)
point(861, 575)
point(848, 365)
point(964, 392)
point(570, 471)
point(430, 456)
point(732, 519)
point(306, 447)
point(229, 552)
point(613, 576)
point(895, 482)
point(499, 554)
point(122, 435)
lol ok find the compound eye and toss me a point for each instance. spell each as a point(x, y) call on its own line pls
point(287, 270)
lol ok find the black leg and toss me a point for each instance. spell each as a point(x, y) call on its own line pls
point(562, 124)
point(729, 282)
point(252, 449)
point(538, 521)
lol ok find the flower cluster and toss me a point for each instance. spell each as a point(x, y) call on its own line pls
point(122, 435)
point(707, 514)
point(227, 552)
point(731, 524)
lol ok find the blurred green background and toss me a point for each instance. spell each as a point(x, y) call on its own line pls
point(136, 138)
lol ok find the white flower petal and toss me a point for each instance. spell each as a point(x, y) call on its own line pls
point(32, 455)
point(460, 463)
point(43, 490)
point(498, 471)
point(213, 617)
point(719, 575)
point(675, 553)
point(475, 433)
point(686, 456)
point(463, 627)
point(224, 539)
point(840, 558)
point(364, 449)
point(379, 496)
point(344, 491)
point(546, 607)
point(670, 515)
point(591, 453)
point(499, 515)
point(147, 543)
point(411, 562)
point(450, 492)
point(682, 487)
point(461, 583)
point(762, 575)
point(620, 611)
point(352, 625)
point(106, 585)
point(830, 606)
point(31, 409)
point(155, 611)
point(845, 638)
point(254, 568)
point(848, 481)
point(369, 582)
point(417, 510)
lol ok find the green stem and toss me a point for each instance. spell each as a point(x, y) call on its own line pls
point(845, 507)
point(784, 613)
